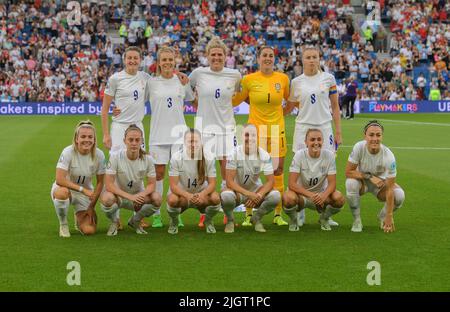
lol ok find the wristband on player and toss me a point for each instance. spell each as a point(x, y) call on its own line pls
point(367, 175)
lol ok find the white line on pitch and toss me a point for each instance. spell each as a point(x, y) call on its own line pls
point(412, 122)
point(404, 147)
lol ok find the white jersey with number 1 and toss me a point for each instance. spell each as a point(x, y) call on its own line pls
point(129, 94)
point(215, 91)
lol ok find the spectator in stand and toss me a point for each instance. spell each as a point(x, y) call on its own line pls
point(350, 98)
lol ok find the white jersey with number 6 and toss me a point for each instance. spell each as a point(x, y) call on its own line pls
point(166, 98)
point(80, 168)
point(215, 91)
point(313, 94)
point(313, 171)
point(381, 164)
point(128, 92)
point(249, 168)
point(186, 169)
point(130, 174)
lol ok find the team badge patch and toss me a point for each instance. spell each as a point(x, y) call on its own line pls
point(380, 169)
point(278, 87)
point(323, 169)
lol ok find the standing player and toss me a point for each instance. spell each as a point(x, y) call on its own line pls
point(167, 125)
point(244, 183)
point(371, 168)
point(315, 92)
point(312, 182)
point(192, 179)
point(215, 86)
point(266, 90)
point(125, 175)
point(77, 165)
point(127, 89)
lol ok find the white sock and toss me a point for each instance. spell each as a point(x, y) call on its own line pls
point(111, 212)
point(61, 208)
point(329, 211)
point(159, 190)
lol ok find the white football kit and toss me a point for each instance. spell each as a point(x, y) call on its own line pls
point(313, 94)
point(215, 116)
point(129, 94)
point(167, 125)
point(80, 170)
point(313, 171)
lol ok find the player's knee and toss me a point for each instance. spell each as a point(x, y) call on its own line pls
point(338, 199)
point(228, 198)
point(61, 193)
point(107, 199)
point(87, 229)
point(399, 197)
point(214, 199)
point(274, 197)
point(156, 199)
point(352, 186)
point(289, 199)
point(172, 200)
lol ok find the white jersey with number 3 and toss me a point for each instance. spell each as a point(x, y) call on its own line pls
point(186, 169)
point(215, 91)
point(313, 171)
point(381, 164)
point(130, 174)
point(249, 168)
point(167, 97)
point(313, 94)
point(129, 94)
point(80, 168)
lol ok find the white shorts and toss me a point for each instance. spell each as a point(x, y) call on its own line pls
point(218, 145)
point(162, 153)
point(300, 134)
point(369, 187)
point(78, 200)
point(242, 198)
point(125, 203)
point(118, 133)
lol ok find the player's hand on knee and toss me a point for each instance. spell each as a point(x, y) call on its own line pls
point(377, 181)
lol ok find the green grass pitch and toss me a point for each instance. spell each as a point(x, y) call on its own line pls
point(414, 258)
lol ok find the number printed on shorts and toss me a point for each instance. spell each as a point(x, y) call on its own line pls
point(313, 181)
point(246, 177)
point(313, 98)
point(130, 184)
point(217, 94)
point(81, 179)
point(169, 102)
point(235, 141)
point(331, 139)
point(135, 95)
point(192, 183)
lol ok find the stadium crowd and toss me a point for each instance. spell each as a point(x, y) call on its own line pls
point(44, 59)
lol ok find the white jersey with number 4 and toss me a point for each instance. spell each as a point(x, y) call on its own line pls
point(313, 171)
point(313, 94)
point(166, 98)
point(381, 164)
point(215, 91)
point(129, 94)
point(130, 174)
point(249, 168)
point(186, 169)
point(80, 168)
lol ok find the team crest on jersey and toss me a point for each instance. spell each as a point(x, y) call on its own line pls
point(91, 168)
point(278, 87)
point(256, 169)
point(323, 169)
point(380, 169)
